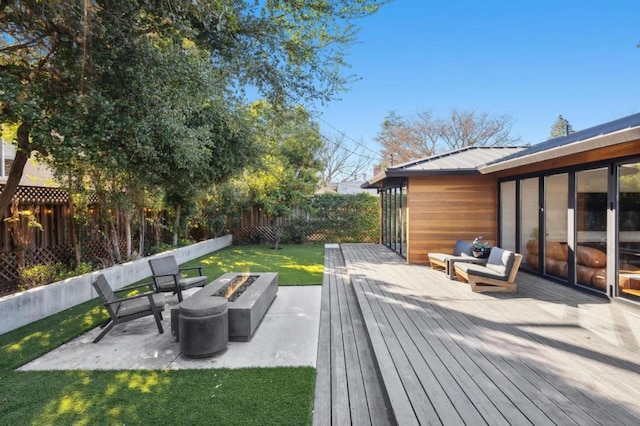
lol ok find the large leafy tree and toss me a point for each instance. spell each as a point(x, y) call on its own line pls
point(289, 166)
point(423, 134)
point(113, 81)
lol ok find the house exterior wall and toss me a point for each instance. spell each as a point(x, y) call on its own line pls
point(443, 209)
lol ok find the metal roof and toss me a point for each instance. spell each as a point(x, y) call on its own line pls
point(468, 158)
point(611, 133)
point(465, 160)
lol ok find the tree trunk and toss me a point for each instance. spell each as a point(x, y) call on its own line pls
point(73, 233)
point(15, 175)
point(143, 222)
point(127, 230)
point(156, 228)
point(176, 228)
point(115, 241)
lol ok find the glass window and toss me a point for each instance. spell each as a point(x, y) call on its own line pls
point(508, 215)
point(529, 222)
point(556, 205)
point(591, 227)
point(629, 231)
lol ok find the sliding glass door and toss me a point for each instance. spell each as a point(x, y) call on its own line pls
point(629, 231)
point(556, 253)
point(591, 225)
point(394, 218)
point(529, 220)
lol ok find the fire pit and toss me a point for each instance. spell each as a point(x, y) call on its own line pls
point(254, 294)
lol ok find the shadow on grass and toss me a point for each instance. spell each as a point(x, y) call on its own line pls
point(244, 396)
point(295, 264)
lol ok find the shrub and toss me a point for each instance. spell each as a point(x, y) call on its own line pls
point(43, 274)
point(34, 276)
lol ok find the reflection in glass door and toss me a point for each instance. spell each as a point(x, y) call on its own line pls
point(591, 226)
point(529, 222)
point(556, 256)
point(629, 231)
point(508, 215)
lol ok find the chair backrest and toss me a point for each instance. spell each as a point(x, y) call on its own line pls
point(106, 294)
point(463, 247)
point(501, 261)
point(165, 265)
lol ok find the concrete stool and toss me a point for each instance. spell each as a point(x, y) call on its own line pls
point(203, 326)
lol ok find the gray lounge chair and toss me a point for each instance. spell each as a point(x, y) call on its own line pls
point(499, 274)
point(123, 309)
point(167, 276)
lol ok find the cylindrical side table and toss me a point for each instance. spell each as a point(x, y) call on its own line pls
point(203, 326)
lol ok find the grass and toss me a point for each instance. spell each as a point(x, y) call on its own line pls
point(297, 264)
point(251, 396)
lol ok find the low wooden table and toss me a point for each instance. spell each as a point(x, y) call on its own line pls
point(450, 270)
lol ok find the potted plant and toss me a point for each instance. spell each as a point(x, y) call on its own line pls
point(480, 247)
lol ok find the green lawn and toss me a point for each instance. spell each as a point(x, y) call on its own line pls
point(297, 264)
point(252, 396)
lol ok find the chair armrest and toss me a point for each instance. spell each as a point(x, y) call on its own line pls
point(199, 268)
point(165, 275)
point(149, 284)
point(136, 296)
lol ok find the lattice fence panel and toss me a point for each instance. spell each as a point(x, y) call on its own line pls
point(8, 269)
point(93, 252)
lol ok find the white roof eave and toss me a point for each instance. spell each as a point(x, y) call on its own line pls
point(601, 141)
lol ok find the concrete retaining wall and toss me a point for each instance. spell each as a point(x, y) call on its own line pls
point(31, 305)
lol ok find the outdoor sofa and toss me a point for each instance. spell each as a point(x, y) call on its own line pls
point(498, 275)
point(462, 252)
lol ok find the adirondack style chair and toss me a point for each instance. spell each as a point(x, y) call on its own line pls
point(124, 309)
point(168, 277)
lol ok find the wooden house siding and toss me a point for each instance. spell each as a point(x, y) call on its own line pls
point(443, 209)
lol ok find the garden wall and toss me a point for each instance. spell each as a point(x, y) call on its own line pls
point(31, 305)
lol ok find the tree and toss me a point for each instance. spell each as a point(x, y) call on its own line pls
point(287, 172)
point(404, 139)
point(341, 160)
point(408, 138)
point(58, 58)
point(560, 128)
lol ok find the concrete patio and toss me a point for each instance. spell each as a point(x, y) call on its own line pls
point(287, 336)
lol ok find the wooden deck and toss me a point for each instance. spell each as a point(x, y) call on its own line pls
point(444, 355)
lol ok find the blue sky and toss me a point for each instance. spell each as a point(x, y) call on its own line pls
point(532, 60)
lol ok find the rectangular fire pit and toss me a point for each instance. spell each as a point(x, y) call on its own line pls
point(246, 312)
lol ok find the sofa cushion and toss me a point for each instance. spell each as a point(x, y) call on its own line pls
point(501, 261)
point(479, 271)
point(463, 247)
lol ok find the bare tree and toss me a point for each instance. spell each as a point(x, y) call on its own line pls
point(469, 128)
point(342, 161)
point(422, 135)
point(405, 139)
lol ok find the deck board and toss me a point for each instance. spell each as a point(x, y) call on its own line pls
point(544, 355)
point(348, 390)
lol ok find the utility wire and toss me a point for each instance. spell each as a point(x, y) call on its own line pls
point(377, 154)
point(350, 151)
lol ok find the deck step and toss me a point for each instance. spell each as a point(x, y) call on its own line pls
point(348, 388)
